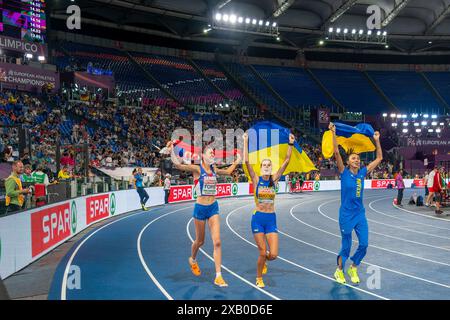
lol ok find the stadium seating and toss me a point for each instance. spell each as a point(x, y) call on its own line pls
point(441, 82)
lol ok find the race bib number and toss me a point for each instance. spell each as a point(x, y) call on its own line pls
point(209, 186)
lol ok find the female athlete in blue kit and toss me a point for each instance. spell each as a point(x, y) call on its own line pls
point(206, 209)
point(352, 214)
point(264, 221)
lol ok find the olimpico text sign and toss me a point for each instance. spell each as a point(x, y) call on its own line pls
point(18, 45)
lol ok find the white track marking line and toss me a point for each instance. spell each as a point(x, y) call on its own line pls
point(377, 247)
point(386, 235)
point(69, 262)
point(141, 257)
point(300, 266)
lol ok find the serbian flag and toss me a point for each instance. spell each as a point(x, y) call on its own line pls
point(268, 140)
point(356, 138)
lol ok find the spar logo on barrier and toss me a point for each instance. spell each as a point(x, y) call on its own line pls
point(50, 226)
point(418, 183)
point(382, 184)
point(224, 190)
point(181, 193)
point(100, 207)
point(235, 189)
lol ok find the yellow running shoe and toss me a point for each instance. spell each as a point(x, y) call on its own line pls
point(264, 270)
point(218, 281)
point(353, 273)
point(339, 276)
point(260, 283)
point(194, 267)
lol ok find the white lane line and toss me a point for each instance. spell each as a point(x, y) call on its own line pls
point(387, 235)
point(373, 246)
point(400, 219)
point(229, 270)
point(141, 257)
point(419, 214)
point(74, 253)
point(297, 265)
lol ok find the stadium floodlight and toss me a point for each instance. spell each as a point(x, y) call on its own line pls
point(278, 39)
point(405, 130)
point(438, 130)
point(267, 23)
point(430, 130)
point(274, 25)
point(225, 17)
point(418, 130)
point(330, 30)
point(424, 123)
point(393, 115)
point(386, 46)
point(345, 31)
point(416, 124)
point(361, 31)
point(338, 30)
point(441, 124)
point(261, 22)
point(321, 42)
point(426, 116)
point(41, 58)
point(434, 123)
point(218, 16)
point(369, 33)
point(433, 116)
point(240, 19)
point(384, 115)
point(254, 21)
point(405, 124)
point(378, 33)
point(385, 33)
point(233, 18)
point(29, 56)
point(399, 116)
point(354, 31)
point(404, 116)
point(394, 124)
point(247, 20)
point(414, 115)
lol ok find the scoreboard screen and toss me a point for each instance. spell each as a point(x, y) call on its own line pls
point(24, 19)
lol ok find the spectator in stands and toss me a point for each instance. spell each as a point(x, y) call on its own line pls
point(167, 184)
point(27, 176)
point(39, 176)
point(67, 160)
point(64, 173)
point(15, 194)
point(400, 184)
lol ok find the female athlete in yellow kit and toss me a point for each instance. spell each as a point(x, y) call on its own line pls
point(264, 223)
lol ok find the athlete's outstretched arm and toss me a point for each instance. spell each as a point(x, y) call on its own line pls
point(177, 163)
point(246, 160)
point(284, 165)
point(228, 171)
point(379, 157)
point(337, 155)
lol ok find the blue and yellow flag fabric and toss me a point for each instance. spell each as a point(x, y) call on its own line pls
point(355, 138)
point(268, 140)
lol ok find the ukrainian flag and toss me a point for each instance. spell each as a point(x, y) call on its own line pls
point(356, 138)
point(268, 140)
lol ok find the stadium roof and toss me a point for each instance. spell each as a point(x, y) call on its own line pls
point(413, 26)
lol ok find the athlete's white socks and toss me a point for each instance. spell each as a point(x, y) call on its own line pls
point(218, 274)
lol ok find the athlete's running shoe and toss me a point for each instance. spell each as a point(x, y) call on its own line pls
point(260, 283)
point(218, 281)
point(144, 208)
point(264, 270)
point(194, 267)
point(353, 273)
point(339, 276)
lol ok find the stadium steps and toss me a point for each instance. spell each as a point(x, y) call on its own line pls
point(270, 88)
point(152, 78)
point(382, 94)
point(286, 120)
point(200, 71)
point(325, 90)
point(434, 90)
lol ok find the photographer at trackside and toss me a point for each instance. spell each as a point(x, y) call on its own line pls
point(15, 194)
